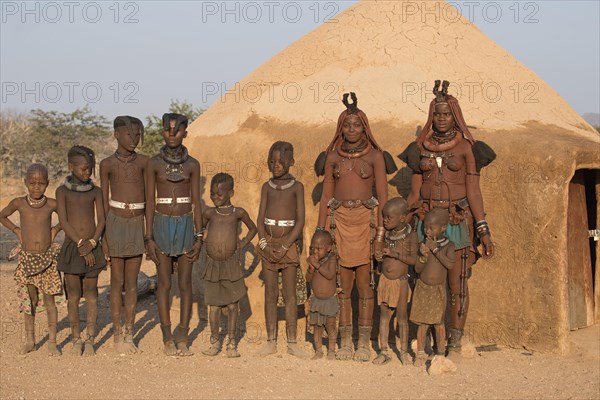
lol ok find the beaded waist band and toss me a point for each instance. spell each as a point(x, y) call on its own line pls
point(369, 203)
point(169, 200)
point(463, 203)
point(126, 206)
point(281, 222)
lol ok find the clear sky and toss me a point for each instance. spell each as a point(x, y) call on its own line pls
point(134, 57)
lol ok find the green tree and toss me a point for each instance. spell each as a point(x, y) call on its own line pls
point(47, 136)
point(153, 139)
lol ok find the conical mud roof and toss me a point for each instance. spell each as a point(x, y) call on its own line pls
point(390, 52)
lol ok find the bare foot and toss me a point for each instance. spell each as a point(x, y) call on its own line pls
point(183, 349)
point(232, 351)
point(345, 353)
point(295, 350)
point(28, 347)
point(77, 347)
point(211, 351)
point(405, 358)
point(53, 350)
point(170, 348)
point(88, 349)
point(129, 348)
point(318, 355)
point(331, 355)
point(119, 347)
point(269, 348)
point(382, 358)
point(214, 348)
point(420, 359)
point(362, 354)
point(128, 345)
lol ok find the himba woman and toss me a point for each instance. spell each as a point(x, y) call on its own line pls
point(353, 164)
point(446, 162)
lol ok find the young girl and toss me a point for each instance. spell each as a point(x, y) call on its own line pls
point(173, 226)
point(280, 223)
point(81, 257)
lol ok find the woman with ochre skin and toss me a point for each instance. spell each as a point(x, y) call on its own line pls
point(354, 164)
point(446, 163)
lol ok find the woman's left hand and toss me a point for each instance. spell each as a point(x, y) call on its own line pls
point(488, 247)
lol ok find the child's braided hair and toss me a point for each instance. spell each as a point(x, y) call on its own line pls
point(86, 152)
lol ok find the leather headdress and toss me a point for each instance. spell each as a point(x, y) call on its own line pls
point(442, 96)
point(351, 109)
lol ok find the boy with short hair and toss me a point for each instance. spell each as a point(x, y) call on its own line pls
point(122, 182)
point(36, 272)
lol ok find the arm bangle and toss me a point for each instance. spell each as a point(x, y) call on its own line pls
point(262, 243)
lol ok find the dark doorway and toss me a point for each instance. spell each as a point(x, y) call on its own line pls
point(582, 250)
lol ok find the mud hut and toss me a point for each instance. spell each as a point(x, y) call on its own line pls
point(540, 194)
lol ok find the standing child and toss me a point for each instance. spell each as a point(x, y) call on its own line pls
point(81, 257)
point(392, 292)
point(436, 256)
point(36, 272)
point(324, 307)
point(122, 182)
point(280, 223)
point(173, 226)
point(223, 278)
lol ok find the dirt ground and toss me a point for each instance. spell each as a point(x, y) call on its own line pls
point(502, 373)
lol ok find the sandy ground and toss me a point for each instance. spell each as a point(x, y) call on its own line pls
point(502, 373)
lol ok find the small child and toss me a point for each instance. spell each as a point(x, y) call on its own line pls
point(222, 276)
point(81, 258)
point(280, 224)
point(324, 306)
point(436, 255)
point(36, 271)
point(392, 292)
point(122, 182)
point(173, 226)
